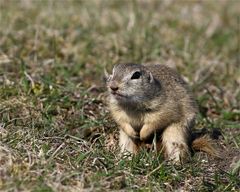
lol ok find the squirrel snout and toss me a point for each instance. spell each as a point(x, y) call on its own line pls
point(113, 86)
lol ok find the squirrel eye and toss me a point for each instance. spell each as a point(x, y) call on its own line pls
point(136, 75)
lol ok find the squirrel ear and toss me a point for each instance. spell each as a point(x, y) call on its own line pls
point(151, 79)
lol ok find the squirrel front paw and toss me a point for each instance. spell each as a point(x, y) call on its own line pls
point(144, 133)
point(131, 133)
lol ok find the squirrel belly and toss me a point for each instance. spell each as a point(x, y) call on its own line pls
point(147, 100)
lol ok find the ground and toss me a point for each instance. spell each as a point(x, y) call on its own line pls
point(55, 129)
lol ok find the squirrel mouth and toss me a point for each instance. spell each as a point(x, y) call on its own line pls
point(117, 95)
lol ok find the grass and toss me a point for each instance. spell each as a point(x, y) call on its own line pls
point(56, 132)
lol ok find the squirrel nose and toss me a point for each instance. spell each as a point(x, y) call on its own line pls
point(113, 87)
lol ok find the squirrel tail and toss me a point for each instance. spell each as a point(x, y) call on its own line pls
point(205, 144)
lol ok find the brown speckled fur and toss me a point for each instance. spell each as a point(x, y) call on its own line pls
point(163, 105)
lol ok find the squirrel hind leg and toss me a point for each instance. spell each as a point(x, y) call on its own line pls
point(126, 143)
point(174, 143)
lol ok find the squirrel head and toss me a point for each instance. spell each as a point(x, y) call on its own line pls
point(130, 84)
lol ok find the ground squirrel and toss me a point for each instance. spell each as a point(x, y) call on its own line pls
point(153, 100)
